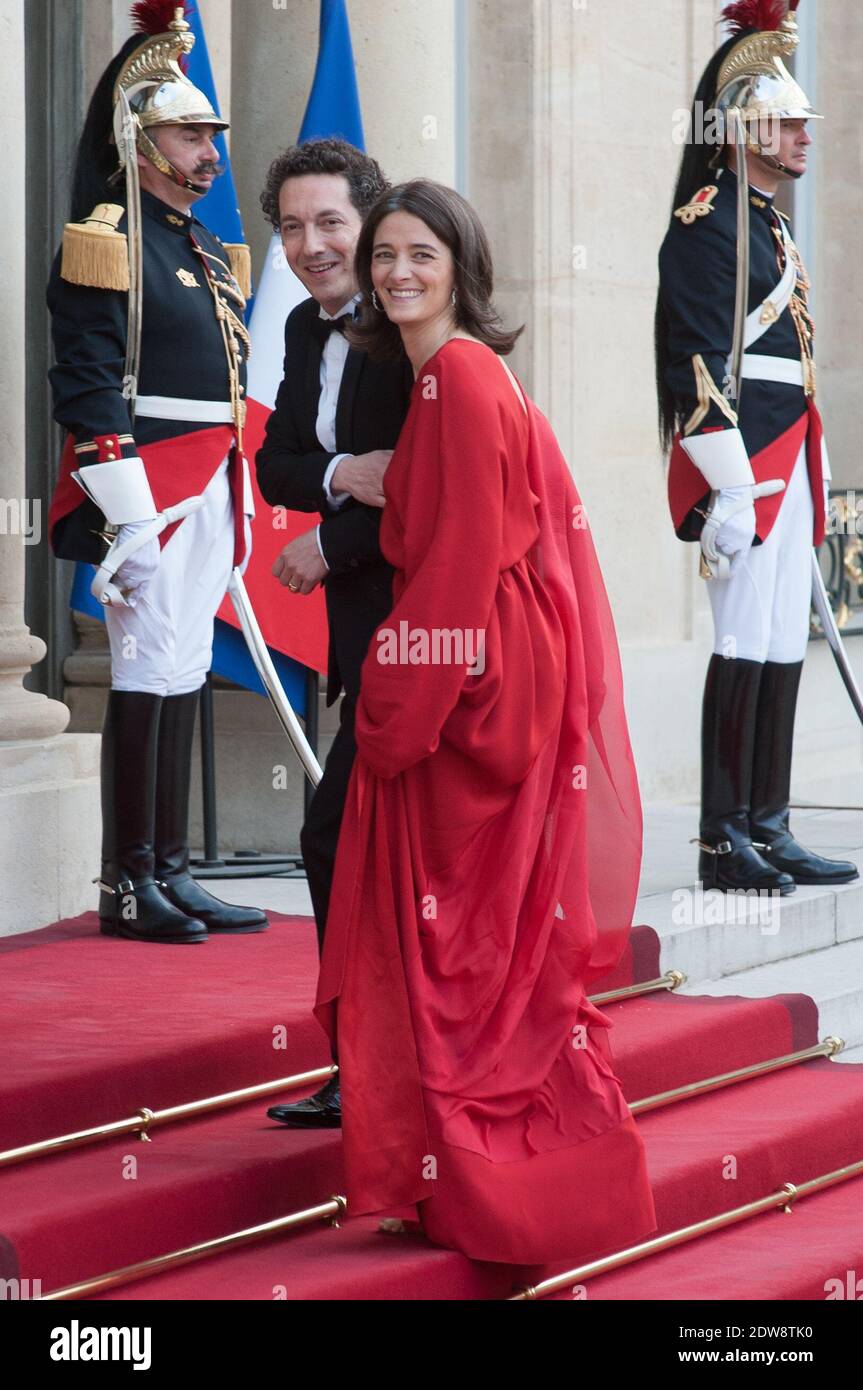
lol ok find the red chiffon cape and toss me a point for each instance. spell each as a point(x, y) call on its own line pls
point(489, 854)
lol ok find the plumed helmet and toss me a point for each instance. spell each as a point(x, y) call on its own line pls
point(753, 81)
point(152, 77)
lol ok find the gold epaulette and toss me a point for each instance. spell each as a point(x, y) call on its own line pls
point(94, 252)
point(698, 206)
point(240, 258)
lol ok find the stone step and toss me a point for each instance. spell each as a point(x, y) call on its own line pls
point(833, 978)
point(709, 934)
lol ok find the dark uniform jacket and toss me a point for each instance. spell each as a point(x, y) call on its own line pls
point(182, 354)
point(373, 402)
point(698, 274)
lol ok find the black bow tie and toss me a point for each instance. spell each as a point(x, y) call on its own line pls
point(325, 327)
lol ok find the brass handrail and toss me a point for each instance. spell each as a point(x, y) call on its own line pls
point(145, 1268)
point(828, 1048)
point(784, 1197)
point(672, 979)
point(145, 1120)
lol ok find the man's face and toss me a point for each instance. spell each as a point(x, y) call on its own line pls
point(794, 142)
point(190, 149)
point(319, 227)
point(785, 140)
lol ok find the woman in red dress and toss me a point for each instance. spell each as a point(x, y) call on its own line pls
point(489, 853)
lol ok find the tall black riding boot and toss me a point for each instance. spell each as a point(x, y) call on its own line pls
point(727, 859)
point(173, 779)
point(130, 902)
point(771, 782)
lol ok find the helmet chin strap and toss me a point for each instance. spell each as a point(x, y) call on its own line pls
point(772, 162)
point(152, 152)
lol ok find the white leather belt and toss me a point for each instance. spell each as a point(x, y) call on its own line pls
point(757, 367)
point(176, 408)
point(776, 303)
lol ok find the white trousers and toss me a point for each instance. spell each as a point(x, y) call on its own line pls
point(164, 645)
point(761, 611)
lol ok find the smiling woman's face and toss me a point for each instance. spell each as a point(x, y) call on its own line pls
point(412, 270)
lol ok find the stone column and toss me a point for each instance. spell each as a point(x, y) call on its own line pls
point(46, 782)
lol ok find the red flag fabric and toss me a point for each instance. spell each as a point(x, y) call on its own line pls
point(295, 624)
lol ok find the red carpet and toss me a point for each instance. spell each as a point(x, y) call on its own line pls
point(96, 1028)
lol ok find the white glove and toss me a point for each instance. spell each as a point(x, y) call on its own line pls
point(729, 528)
point(738, 532)
point(140, 567)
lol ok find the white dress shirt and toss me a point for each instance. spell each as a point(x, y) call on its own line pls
point(333, 360)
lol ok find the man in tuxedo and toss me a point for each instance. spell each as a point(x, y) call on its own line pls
point(328, 442)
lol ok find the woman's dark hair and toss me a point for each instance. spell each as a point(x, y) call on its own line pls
point(697, 168)
point(366, 180)
point(456, 224)
point(96, 158)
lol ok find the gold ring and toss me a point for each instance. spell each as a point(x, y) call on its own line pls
point(292, 586)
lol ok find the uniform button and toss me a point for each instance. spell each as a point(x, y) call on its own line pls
point(354, 564)
point(111, 456)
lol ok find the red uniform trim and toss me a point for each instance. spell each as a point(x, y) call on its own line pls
point(686, 483)
point(176, 468)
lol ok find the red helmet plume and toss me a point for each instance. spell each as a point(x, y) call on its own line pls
point(153, 16)
point(756, 14)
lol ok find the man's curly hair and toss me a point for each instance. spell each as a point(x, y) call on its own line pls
point(366, 180)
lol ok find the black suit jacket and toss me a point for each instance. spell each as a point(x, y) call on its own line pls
point(373, 401)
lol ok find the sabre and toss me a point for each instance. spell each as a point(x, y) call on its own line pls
point(741, 295)
point(128, 148)
point(270, 679)
point(821, 604)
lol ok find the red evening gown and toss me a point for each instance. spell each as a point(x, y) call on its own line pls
point(489, 854)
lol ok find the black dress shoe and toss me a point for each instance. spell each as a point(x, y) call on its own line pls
point(217, 916)
point(785, 854)
point(139, 912)
point(740, 868)
point(323, 1110)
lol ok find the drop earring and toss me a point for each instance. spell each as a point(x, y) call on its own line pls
point(375, 301)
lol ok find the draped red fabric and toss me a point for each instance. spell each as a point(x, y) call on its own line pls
point(490, 849)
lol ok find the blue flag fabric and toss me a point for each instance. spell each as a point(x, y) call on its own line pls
point(218, 209)
point(334, 102)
